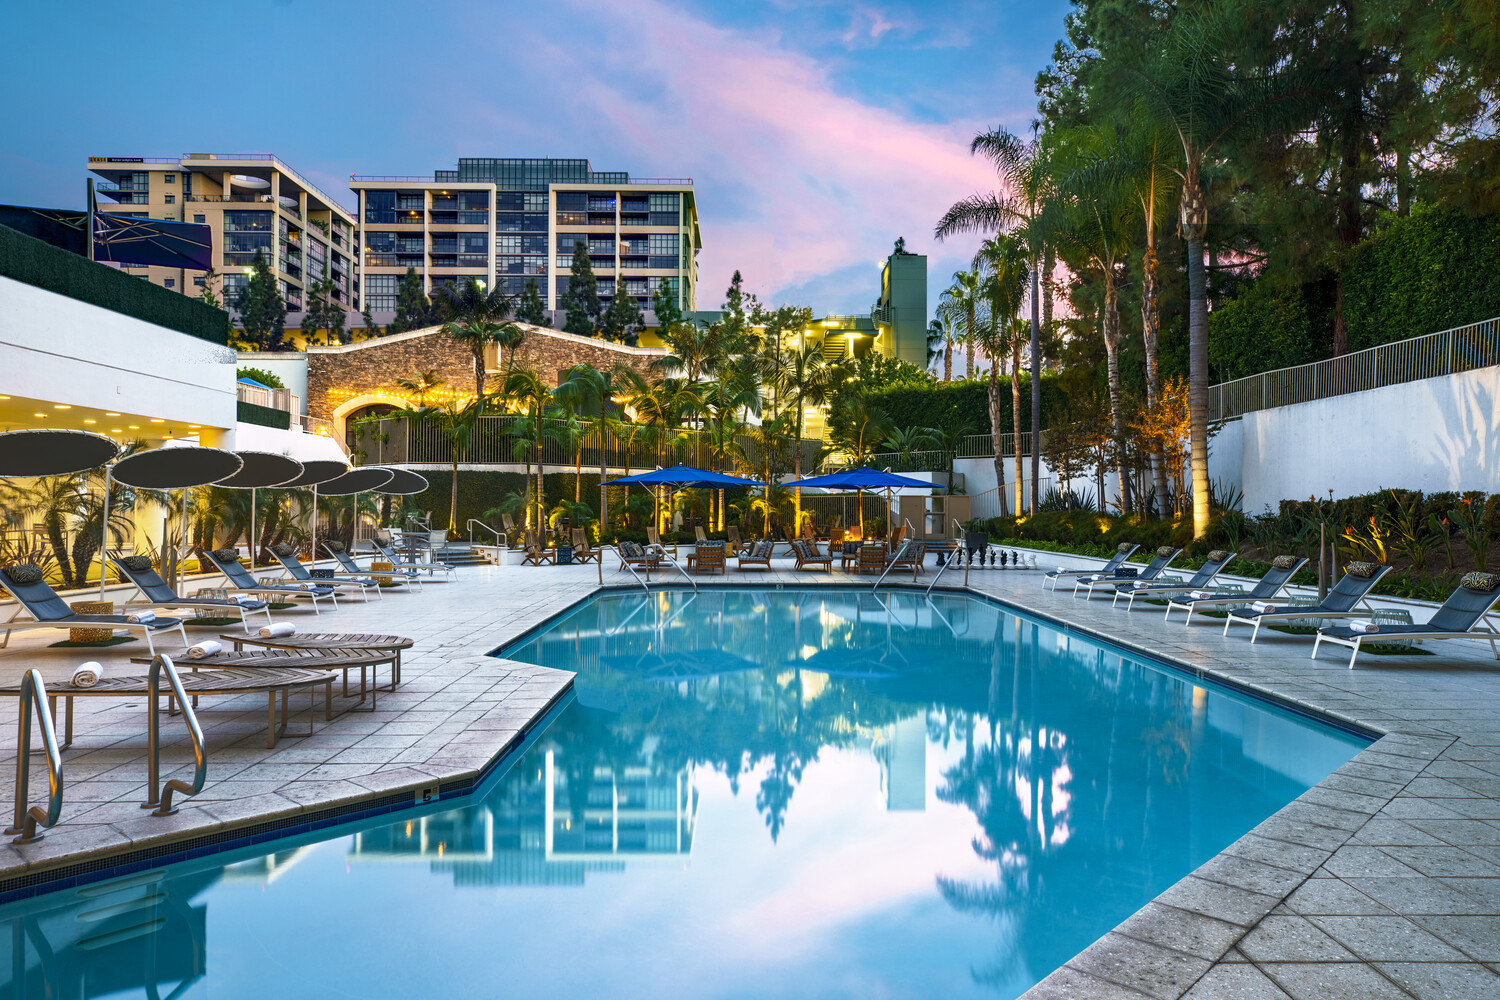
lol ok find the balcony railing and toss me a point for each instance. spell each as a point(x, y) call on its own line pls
point(1447, 352)
point(276, 399)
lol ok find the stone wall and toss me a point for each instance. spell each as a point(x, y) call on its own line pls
point(337, 374)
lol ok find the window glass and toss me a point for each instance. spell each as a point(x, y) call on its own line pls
point(380, 206)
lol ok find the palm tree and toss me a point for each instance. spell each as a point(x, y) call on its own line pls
point(660, 404)
point(458, 422)
point(859, 426)
point(476, 319)
point(948, 439)
point(942, 330)
point(734, 390)
point(806, 379)
point(906, 442)
point(1003, 261)
point(586, 388)
point(527, 389)
point(1022, 208)
point(420, 385)
point(959, 307)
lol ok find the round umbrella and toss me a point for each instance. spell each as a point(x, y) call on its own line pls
point(28, 454)
point(261, 468)
point(357, 481)
point(680, 477)
point(314, 473)
point(403, 482)
point(862, 479)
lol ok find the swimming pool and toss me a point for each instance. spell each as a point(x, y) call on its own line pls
point(754, 793)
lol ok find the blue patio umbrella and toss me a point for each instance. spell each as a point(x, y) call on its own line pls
point(681, 477)
point(861, 479)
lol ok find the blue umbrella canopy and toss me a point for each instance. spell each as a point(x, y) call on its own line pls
point(863, 479)
point(684, 476)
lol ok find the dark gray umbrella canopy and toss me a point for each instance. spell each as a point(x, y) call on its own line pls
point(262, 469)
point(403, 482)
point(176, 468)
point(31, 453)
point(316, 472)
point(356, 481)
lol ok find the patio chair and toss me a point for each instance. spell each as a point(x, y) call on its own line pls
point(28, 586)
point(138, 570)
point(699, 533)
point(227, 561)
point(384, 548)
point(1465, 608)
point(1161, 561)
point(1201, 578)
point(734, 539)
point(654, 537)
point(341, 555)
point(582, 551)
point(849, 555)
point(871, 558)
point(1342, 601)
point(709, 558)
point(1125, 551)
point(287, 556)
point(536, 553)
point(511, 538)
point(910, 555)
point(635, 554)
point(808, 557)
point(1266, 588)
point(757, 556)
point(835, 537)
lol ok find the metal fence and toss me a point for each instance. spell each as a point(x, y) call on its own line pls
point(1446, 352)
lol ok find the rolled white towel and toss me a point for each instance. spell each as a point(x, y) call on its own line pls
point(1201, 595)
point(242, 598)
point(1361, 625)
point(1262, 607)
point(276, 630)
point(204, 649)
point(140, 617)
point(1062, 569)
point(86, 675)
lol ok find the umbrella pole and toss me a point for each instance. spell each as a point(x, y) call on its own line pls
point(182, 560)
point(104, 534)
point(251, 539)
point(315, 525)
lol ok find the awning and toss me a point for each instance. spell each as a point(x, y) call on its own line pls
point(316, 472)
point(404, 482)
point(31, 453)
point(262, 469)
point(356, 481)
point(176, 468)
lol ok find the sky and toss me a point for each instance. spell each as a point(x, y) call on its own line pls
point(816, 133)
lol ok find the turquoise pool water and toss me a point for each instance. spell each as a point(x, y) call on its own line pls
point(755, 794)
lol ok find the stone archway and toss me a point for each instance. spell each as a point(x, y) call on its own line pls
point(362, 405)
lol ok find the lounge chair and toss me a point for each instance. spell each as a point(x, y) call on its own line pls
point(27, 585)
point(1125, 551)
point(757, 556)
point(1161, 561)
point(1265, 589)
point(287, 556)
point(709, 558)
point(808, 557)
point(1342, 601)
point(734, 538)
point(582, 551)
point(871, 558)
point(391, 557)
point(341, 555)
point(1200, 580)
point(1465, 608)
point(138, 570)
point(227, 561)
point(910, 555)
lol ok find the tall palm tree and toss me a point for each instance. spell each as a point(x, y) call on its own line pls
point(960, 306)
point(734, 390)
point(805, 379)
point(592, 390)
point(1003, 262)
point(859, 426)
point(1023, 208)
point(530, 391)
point(476, 318)
point(941, 330)
point(458, 422)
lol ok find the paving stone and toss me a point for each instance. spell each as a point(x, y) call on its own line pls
point(1326, 981)
point(1387, 939)
point(1235, 982)
point(1222, 902)
point(1070, 984)
point(1444, 981)
point(1291, 939)
point(1364, 862)
point(1444, 860)
point(1139, 965)
point(1332, 896)
point(1476, 936)
point(1420, 895)
point(1181, 930)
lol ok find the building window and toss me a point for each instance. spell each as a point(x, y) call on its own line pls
point(169, 282)
point(511, 201)
point(602, 245)
point(171, 198)
point(505, 243)
point(247, 222)
point(380, 292)
point(380, 206)
point(662, 244)
point(171, 178)
point(234, 285)
point(200, 219)
point(566, 242)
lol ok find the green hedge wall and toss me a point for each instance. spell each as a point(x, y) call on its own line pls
point(45, 266)
point(949, 404)
point(265, 416)
point(1269, 325)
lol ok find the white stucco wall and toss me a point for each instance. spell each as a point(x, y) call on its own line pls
point(64, 351)
point(1432, 435)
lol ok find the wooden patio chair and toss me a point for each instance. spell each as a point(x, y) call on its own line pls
point(654, 537)
point(582, 551)
point(911, 555)
point(849, 554)
point(536, 552)
point(808, 557)
point(758, 556)
point(709, 558)
point(871, 558)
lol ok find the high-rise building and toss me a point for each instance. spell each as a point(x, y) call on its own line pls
point(507, 222)
point(253, 203)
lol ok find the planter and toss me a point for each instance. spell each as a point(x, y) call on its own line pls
point(92, 634)
point(375, 567)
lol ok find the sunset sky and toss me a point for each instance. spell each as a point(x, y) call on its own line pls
point(816, 133)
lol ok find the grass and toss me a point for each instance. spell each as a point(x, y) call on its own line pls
point(215, 622)
point(281, 605)
point(115, 641)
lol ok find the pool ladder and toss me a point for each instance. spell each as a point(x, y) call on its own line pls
point(34, 697)
point(159, 797)
point(644, 586)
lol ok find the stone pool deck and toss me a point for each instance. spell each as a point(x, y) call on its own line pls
point(1382, 881)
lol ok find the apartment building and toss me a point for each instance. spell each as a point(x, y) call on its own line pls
point(507, 222)
point(253, 203)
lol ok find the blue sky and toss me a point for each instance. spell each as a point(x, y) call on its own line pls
point(816, 133)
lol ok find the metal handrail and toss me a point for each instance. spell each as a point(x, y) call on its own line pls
point(161, 798)
point(34, 693)
point(675, 565)
point(943, 569)
point(500, 538)
point(625, 563)
point(895, 558)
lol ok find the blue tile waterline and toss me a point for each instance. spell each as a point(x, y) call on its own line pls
point(746, 798)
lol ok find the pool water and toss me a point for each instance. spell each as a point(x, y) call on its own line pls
point(755, 793)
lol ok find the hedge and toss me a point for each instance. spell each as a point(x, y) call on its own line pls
point(48, 267)
point(953, 404)
point(265, 416)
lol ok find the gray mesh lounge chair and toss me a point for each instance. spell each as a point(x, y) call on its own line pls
point(1125, 551)
point(1200, 579)
point(341, 554)
point(287, 556)
point(138, 570)
point(399, 563)
point(1465, 608)
point(1342, 601)
point(33, 596)
point(227, 561)
point(1161, 561)
point(1265, 589)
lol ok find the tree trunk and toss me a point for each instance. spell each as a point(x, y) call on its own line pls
point(1015, 423)
point(996, 439)
point(1194, 219)
point(1036, 370)
point(948, 360)
point(1116, 402)
point(478, 370)
point(1150, 328)
point(453, 498)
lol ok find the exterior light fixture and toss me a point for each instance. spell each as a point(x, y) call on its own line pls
point(61, 406)
point(39, 414)
point(135, 427)
point(111, 414)
point(90, 421)
point(157, 420)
